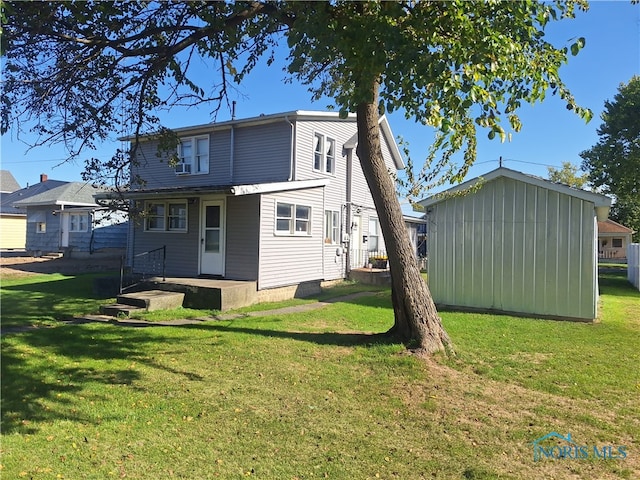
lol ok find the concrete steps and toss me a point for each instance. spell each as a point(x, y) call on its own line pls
point(145, 301)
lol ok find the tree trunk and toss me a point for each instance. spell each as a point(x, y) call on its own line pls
point(416, 318)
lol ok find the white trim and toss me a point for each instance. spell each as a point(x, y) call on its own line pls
point(277, 186)
point(292, 232)
point(597, 199)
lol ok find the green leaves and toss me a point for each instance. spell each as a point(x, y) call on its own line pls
point(577, 46)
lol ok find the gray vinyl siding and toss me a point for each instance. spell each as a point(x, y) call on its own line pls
point(514, 247)
point(262, 153)
point(110, 236)
point(288, 260)
point(44, 242)
point(243, 223)
point(182, 247)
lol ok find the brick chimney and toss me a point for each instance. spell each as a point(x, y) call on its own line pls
point(43, 177)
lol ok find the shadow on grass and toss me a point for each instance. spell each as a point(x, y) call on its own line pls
point(58, 299)
point(616, 283)
point(46, 372)
point(338, 339)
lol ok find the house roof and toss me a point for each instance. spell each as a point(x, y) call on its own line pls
point(237, 190)
point(609, 226)
point(597, 199)
point(68, 194)
point(8, 182)
point(7, 200)
point(288, 117)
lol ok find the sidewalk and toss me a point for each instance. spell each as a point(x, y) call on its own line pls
point(221, 317)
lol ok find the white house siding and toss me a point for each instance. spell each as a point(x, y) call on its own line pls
point(514, 247)
point(182, 247)
point(242, 223)
point(335, 196)
point(289, 260)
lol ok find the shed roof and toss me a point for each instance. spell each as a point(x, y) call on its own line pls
point(609, 226)
point(68, 194)
point(597, 199)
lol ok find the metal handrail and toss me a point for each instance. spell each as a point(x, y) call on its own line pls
point(154, 262)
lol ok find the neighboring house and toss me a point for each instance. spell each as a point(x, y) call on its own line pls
point(8, 182)
point(67, 219)
point(277, 199)
point(13, 220)
point(519, 244)
point(613, 239)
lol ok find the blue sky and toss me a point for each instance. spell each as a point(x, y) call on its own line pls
point(550, 134)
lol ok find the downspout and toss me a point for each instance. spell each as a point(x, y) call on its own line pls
point(348, 212)
point(292, 156)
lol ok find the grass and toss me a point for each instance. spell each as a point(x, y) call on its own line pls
point(43, 300)
point(315, 395)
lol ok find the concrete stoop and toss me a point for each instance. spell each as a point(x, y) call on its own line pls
point(371, 276)
point(146, 301)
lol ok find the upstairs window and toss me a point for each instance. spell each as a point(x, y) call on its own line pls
point(324, 154)
point(293, 219)
point(78, 222)
point(193, 153)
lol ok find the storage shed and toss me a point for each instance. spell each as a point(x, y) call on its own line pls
point(517, 244)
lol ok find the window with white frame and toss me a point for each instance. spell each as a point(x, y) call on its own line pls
point(193, 153)
point(293, 219)
point(331, 227)
point(78, 222)
point(166, 216)
point(324, 153)
point(41, 227)
point(374, 235)
point(616, 242)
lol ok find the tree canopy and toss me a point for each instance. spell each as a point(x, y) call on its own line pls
point(568, 175)
point(82, 70)
point(613, 164)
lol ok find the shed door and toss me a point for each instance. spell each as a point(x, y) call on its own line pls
point(212, 238)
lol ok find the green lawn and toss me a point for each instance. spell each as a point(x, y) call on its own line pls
point(312, 395)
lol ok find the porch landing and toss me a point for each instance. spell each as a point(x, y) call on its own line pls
point(206, 293)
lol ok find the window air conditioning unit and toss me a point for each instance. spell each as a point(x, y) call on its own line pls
point(183, 169)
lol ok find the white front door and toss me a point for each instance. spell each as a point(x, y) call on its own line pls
point(212, 238)
point(357, 253)
point(65, 224)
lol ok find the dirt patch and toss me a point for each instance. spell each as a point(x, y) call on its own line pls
point(19, 264)
point(479, 413)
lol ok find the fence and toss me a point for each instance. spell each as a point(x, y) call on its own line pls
point(363, 258)
point(633, 264)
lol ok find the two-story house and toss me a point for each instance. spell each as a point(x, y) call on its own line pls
point(276, 199)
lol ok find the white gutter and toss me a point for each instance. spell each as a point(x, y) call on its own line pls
point(278, 186)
